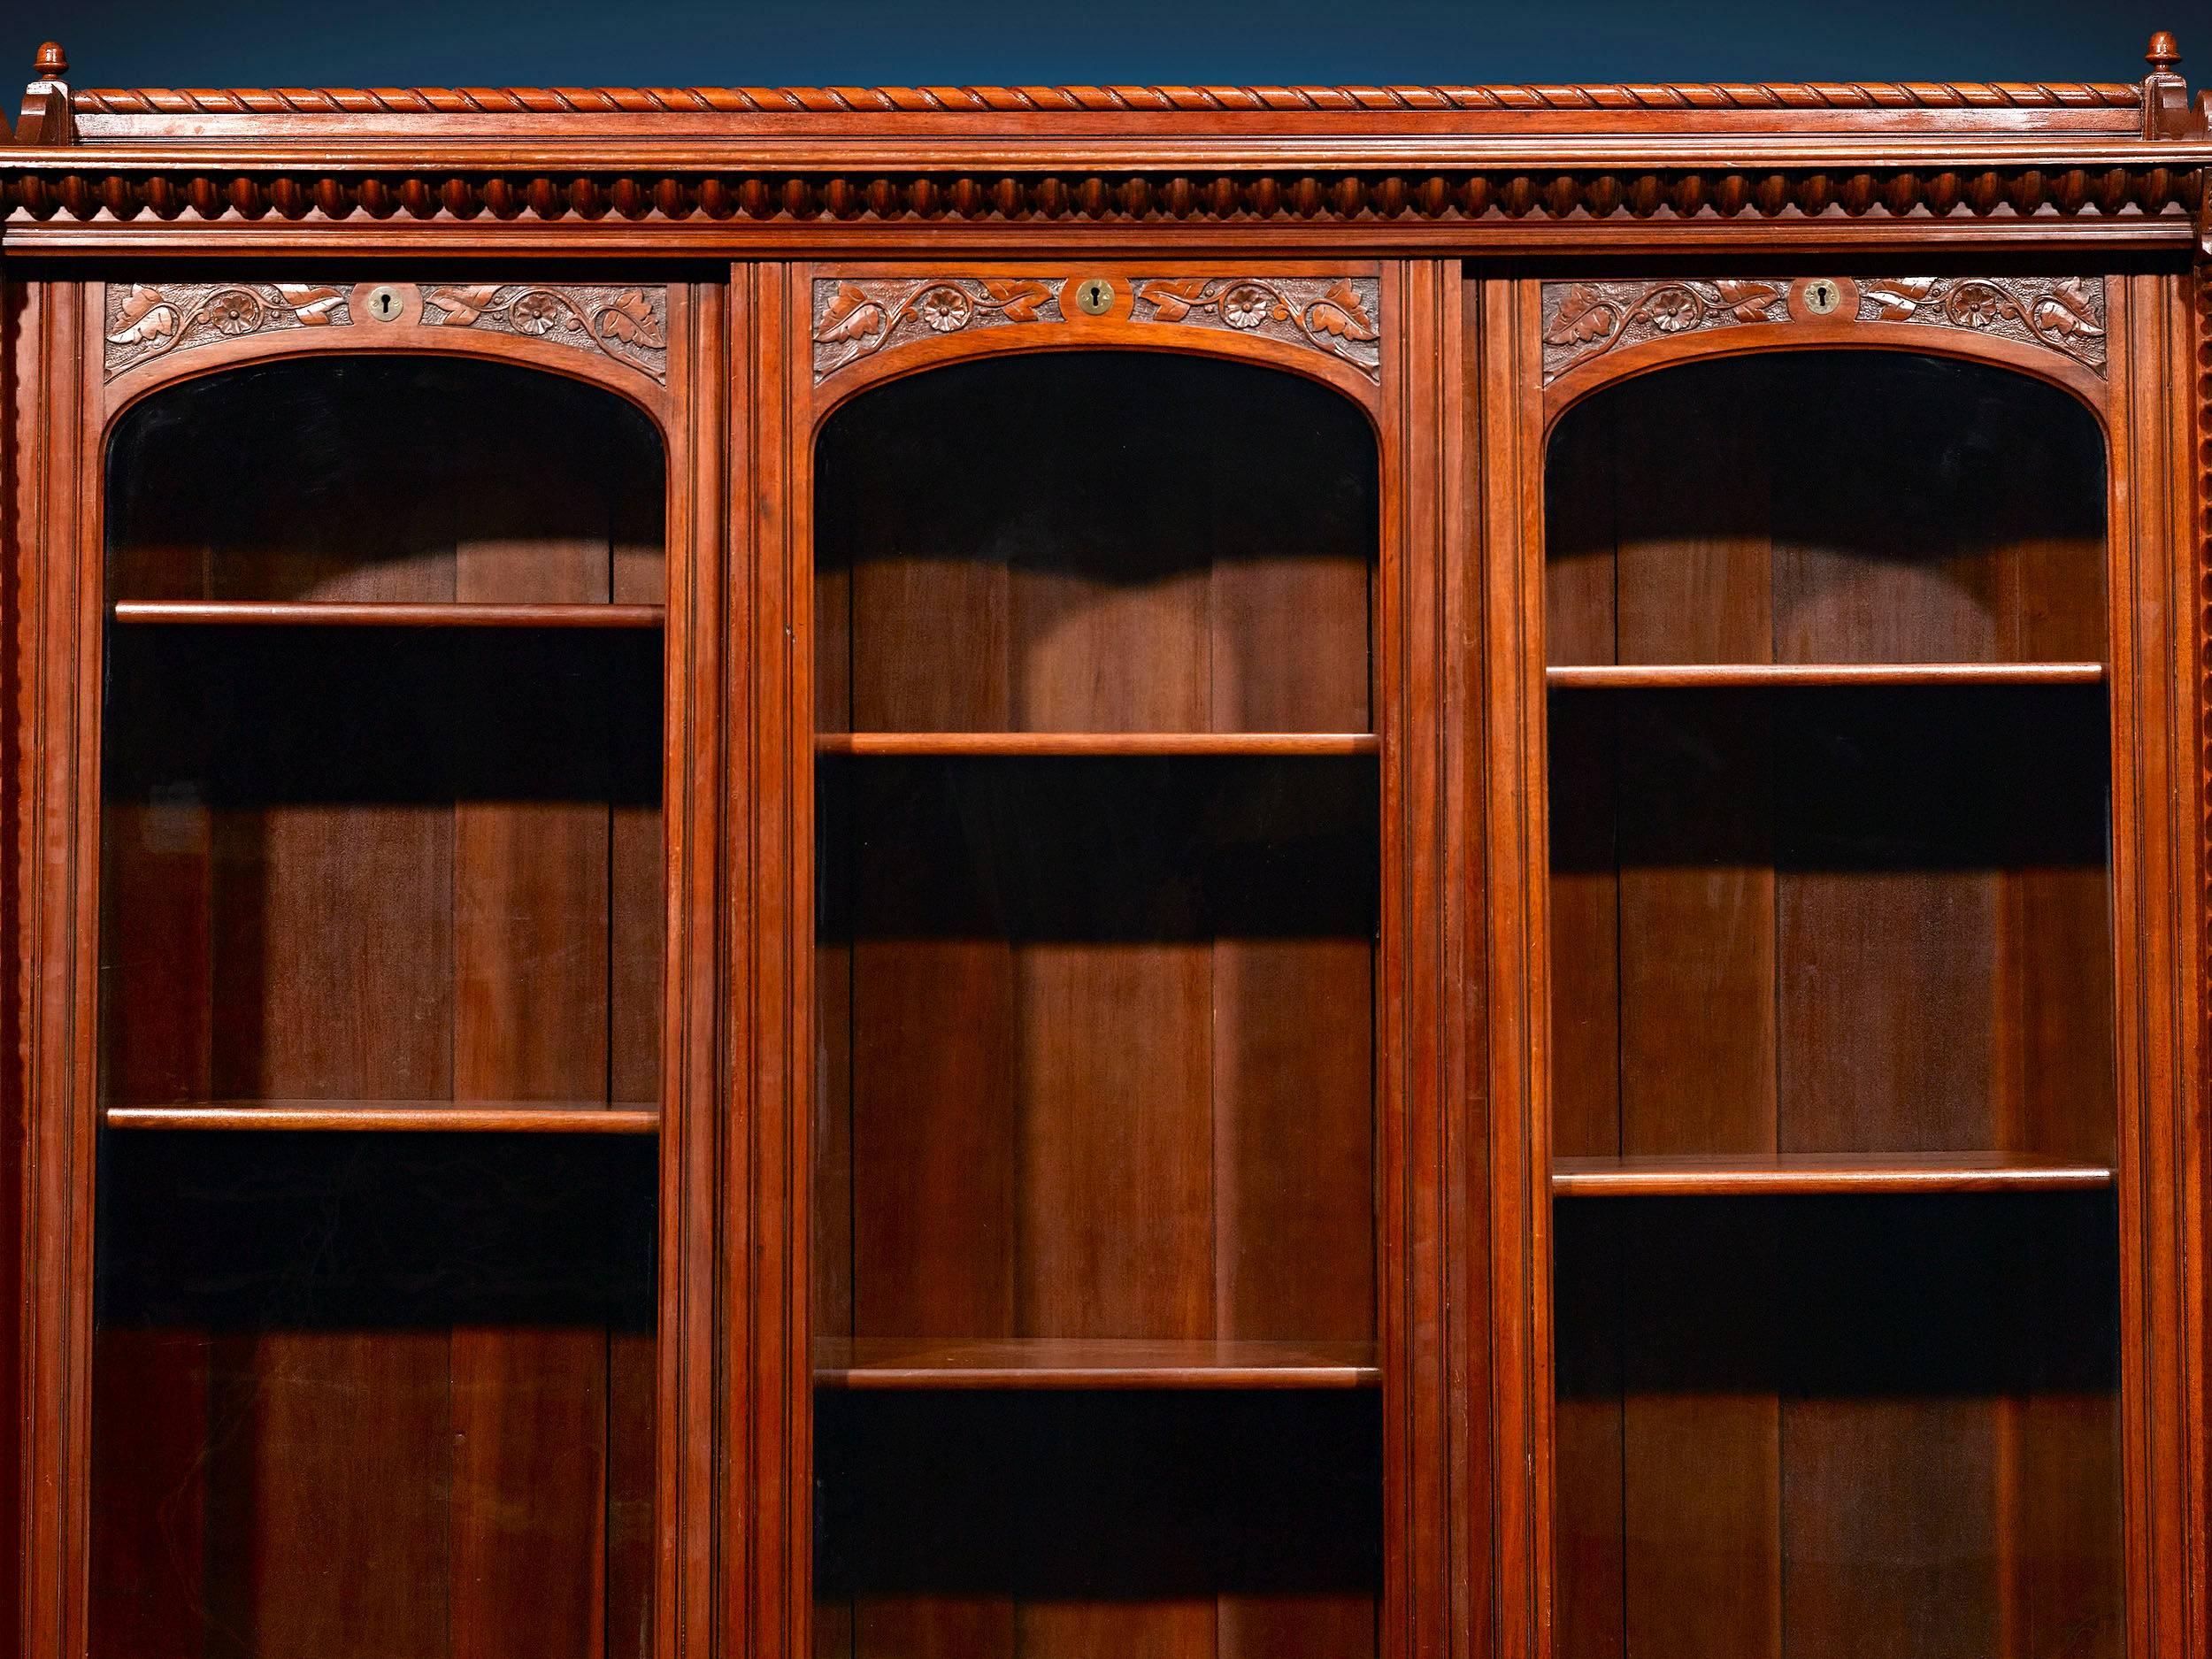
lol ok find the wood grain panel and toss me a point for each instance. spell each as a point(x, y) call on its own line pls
point(1697, 925)
point(333, 1538)
point(1696, 579)
point(1114, 1140)
point(530, 1547)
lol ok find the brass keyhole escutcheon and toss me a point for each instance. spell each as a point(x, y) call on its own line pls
point(1821, 296)
point(1095, 297)
point(384, 304)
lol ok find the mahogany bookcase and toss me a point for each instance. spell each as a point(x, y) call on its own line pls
point(1107, 873)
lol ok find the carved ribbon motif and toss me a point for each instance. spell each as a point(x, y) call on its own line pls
point(1586, 321)
point(149, 320)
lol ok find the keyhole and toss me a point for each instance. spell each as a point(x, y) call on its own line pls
point(1095, 297)
point(1821, 296)
point(384, 304)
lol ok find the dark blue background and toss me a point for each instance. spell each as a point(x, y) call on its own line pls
point(664, 43)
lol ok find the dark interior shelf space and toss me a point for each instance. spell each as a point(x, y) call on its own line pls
point(1819, 1172)
point(1848, 1426)
point(391, 614)
point(1011, 1362)
point(1874, 918)
point(583, 1117)
point(375, 1394)
point(1098, 1522)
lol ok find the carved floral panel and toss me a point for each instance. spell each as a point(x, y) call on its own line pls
point(628, 325)
point(1583, 321)
point(148, 320)
point(1339, 315)
point(855, 317)
point(858, 318)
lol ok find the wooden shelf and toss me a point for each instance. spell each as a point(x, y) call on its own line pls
point(1032, 1362)
point(1099, 743)
point(1817, 1172)
point(1661, 676)
point(335, 613)
point(521, 1118)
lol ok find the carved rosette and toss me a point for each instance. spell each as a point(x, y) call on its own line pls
point(149, 320)
point(856, 319)
point(1583, 321)
point(1339, 315)
point(629, 324)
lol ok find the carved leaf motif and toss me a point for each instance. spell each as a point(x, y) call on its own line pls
point(1017, 300)
point(1339, 312)
point(145, 317)
point(1748, 301)
point(2067, 310)
point(463, 305)
point(851, 315)
point(1899, 297)
point(1172, 300)
point(629, 317)
point(1581, 318)
point(311, 305)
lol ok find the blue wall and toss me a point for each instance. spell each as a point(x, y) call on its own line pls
point(661, 42)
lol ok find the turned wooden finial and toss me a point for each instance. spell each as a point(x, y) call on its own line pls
point(2162, 53)
point(53, 62)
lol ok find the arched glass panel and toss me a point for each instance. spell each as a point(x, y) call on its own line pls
point(1833, 1092)
point(1095, 1146)
point(373, 1370)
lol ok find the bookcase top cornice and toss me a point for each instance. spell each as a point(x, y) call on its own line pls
point(2128, 157)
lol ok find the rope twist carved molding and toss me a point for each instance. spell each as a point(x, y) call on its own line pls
point(1880, 94)
point(1584, 321)
point(628, 325)
point(858, 318)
